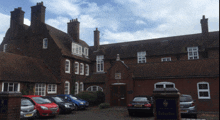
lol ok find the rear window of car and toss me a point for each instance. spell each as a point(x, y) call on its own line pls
point(41, 100)
point(26, 102)
point(140, 99)
point(58, 99)
point(185, 98)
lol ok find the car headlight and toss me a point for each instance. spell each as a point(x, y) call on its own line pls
point(67, 106)
point(81, 103)
point(43, 108)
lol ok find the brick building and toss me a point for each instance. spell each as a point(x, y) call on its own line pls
point(40, 59)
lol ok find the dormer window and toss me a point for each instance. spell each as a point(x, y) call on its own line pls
point(141, 57)
point(193, 53)
point(67, 66)
point(86, 52)
point(5, 47)
point(45, 43)
point(76, 49)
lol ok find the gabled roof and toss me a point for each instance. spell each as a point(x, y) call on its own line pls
point(155, 47)
point(64, 42)
point(24, 69)
point(173, 69)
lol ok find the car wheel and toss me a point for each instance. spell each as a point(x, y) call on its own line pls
point(76, 108)
point(60, 111)
point(194, 116)
point(130, 113)
point(38, 114)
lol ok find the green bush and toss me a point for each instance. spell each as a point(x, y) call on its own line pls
point(104, 105)
point(100, 97)
point(91, 97)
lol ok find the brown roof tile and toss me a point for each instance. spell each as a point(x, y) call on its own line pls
point(202, 67)
point(160, 46)
point(26, 69)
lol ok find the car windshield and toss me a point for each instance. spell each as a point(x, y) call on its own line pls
point(26, 102)
point(41, 100)
point(140, 99)
point(185, 98)
point(58, 99)
point(73, 97)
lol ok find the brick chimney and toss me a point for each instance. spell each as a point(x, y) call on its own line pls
point(17, 20)
point(73, 29)
point(37, 15)
point(204, 25)
point(96, 38)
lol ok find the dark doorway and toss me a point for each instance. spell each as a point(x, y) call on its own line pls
point(118, 95)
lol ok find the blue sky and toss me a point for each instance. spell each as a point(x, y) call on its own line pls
point(120, 20)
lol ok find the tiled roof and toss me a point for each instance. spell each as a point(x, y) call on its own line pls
point(202, 67)
point(160, 46)
point(26, 69)
point(64, 42)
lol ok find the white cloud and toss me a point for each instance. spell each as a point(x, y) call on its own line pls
point(140, 22)
point(104, 42)
point(62, 7)
point(4, 22)
point(27, 22)
point(59, 23)
point(131, 36)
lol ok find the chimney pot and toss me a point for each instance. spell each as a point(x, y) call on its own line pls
point(73, 30)
point(96, 38)
point(204, 25)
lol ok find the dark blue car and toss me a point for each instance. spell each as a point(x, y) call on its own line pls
point(80, 103)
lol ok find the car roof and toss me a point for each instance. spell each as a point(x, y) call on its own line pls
point(30, 96)
point(185, 95)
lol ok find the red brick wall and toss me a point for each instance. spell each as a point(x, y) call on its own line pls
point(185, 86)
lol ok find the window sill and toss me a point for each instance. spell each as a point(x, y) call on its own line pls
point(67, 72)
point(51, 92)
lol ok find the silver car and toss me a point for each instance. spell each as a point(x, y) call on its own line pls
point(187, 106)
point(27, 109)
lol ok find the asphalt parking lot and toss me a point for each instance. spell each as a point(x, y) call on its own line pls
point(116, 113)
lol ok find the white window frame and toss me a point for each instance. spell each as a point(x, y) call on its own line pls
point(81, 69)
point(51, 91)
point(193, 50)
point(5, 47)
point(97, 88)
point(141, 55)
point(165, 59)
point(76, 88)
point(87, 70)
point(45, 43)
point(100, 61)
point(18, 88)
point(86, 52)
point(164, 84)
point(81, 87)
point(67, 66)
point(73, 48)
point(43, 85)
point(68, 87)
point(202, 90)
point(80, 50)
point(76, 67)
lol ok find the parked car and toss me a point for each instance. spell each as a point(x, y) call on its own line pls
point(64, 106)
point(27, 109)
point(141, 104)
point(80, 104)
point(187, 106)
point(44, 107)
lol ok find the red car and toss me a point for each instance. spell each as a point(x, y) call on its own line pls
point(44, 106)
